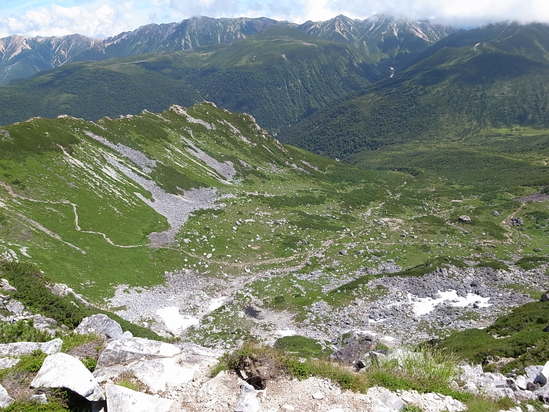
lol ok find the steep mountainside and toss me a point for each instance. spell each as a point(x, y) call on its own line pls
point(496, 76)
point(380, 36)
point(377, 37)
point(22, 57)
point(278, 76)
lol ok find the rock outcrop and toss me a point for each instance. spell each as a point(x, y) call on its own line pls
point(123, 351)
point(26, 348)
point(120, 399)
point(100, 325)
point(65, 371)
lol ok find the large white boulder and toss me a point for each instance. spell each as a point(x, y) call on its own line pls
point(26, 348)
point(120, 399)
point(100, 325)
point(124, 351)
point(66, 371)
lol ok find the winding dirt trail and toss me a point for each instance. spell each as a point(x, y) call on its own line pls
point(77, 227)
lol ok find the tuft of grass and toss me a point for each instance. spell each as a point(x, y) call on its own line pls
point(532, 262)
point(32, 362)
point(302, 346)
point(75, 340)
point(90, 363)
point(425, 371)
point(19, 406)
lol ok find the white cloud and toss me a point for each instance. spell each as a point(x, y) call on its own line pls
point(99, 18)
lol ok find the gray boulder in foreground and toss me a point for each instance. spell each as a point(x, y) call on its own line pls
point(26, 348)
point(66, 371)
point(5, 399)
point(100, 325)
point(123, 351)
point(120, 399)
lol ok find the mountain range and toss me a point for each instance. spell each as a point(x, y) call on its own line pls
point(379, 36)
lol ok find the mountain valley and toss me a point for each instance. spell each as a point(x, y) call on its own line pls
point(372, 236)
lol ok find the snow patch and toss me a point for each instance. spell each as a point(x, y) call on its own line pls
point(424, 306)
point(175, 322)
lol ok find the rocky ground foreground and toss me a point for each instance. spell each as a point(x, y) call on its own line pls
point(134, 374)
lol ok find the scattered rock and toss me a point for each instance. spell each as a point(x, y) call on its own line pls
point(6, 363)
point(120, 399)
point(247, 402)
point(543, 376)
point(383, 400)
point(319, 395)
point(431, 402)
point(15, 307)
point(100, 325)
point(39, 398)
point(354, 347)
point(123, 351)
point(26, 348)
point(5, 285)
point(516, 221)
point(65, 371)
point(465, 219)
point(5, 399)
point(545, 297)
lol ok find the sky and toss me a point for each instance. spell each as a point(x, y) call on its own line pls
point(102, 18)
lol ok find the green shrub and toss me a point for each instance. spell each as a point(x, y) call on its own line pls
point(34, 407)
point(302, 346)
point(33, 292)
point(32, 362)
point(21, 331)
point(532, 262)
point(74, 340)
point(518, 335)
point(90, 363)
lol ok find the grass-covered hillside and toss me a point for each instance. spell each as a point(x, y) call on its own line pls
point(207, 201)
point(279, 76)
point(491, 77)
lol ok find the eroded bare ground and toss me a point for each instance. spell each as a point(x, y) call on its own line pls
point(402, 309)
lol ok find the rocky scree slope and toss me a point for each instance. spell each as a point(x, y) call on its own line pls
point(101, 367)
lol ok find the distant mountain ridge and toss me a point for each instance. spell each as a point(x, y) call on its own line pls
point(377, 36)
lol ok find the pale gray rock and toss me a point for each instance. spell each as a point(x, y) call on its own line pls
point(26, 348)
point(100, 325)
point(15, 307)
point(5, 285)
point(521, 382)
point(543, 376)
point(5, 399)
point(45, 324)
point(6, 363)
point(383, 400)
point(124, 351)
point(66, 371)
point(432, 402)
point(247, 402)
point(39, 398)
point(120, 399)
